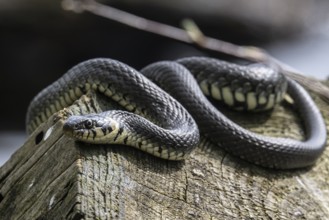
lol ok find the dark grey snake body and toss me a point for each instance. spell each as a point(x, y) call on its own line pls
point(168, 132)
point(171, 133)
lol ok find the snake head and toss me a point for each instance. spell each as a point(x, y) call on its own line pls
point(89, 128)
point(75, 123)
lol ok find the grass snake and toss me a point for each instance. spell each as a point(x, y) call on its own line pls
point(155, 122)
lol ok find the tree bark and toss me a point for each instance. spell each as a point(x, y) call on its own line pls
point(53, 177)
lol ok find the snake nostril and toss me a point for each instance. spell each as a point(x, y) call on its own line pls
point(39, 138)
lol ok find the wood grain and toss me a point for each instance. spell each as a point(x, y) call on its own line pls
point(62, 179)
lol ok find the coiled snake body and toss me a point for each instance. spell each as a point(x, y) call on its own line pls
point(160, 125)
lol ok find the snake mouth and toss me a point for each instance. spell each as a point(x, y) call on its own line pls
point(72, 132)
point(68, 129)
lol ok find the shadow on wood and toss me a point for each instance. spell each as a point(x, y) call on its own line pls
point(54, 177)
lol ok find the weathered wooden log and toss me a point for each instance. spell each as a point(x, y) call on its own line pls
point(53, 177)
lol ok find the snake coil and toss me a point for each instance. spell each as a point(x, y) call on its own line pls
point(160, 125)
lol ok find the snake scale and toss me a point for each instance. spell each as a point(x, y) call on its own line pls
point(153, 121)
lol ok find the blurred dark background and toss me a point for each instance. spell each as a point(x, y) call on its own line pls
point(39, 41)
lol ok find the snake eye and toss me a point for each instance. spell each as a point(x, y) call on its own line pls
point(88, 124)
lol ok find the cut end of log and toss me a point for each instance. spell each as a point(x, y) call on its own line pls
point(53, 177)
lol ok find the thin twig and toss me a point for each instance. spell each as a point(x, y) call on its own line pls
point(250, 53)
point(192, 35)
